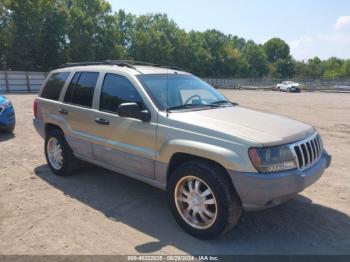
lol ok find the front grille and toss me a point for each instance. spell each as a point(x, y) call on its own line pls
point(308, 151)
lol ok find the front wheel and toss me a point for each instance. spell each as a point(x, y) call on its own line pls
point(11, 129)
point(203, 200)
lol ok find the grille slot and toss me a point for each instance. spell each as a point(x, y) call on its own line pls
point(308, 151)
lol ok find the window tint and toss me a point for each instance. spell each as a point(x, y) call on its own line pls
point(176, 90)
point(54, 86)
point(70, 89)
point(117, 90)
point(81, 89)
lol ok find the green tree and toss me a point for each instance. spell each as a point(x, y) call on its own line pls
point(346, 68)
point(41, 34)
point(152, 39)
point(4, 33)
point(256, 59)
point(199, 58)
point(276, 49)
point(35, 34)
point(124, 27)
point(333, 68)
point(285, 68)
point(92, 33)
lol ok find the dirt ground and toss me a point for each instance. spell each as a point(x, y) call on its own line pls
point(100, 212)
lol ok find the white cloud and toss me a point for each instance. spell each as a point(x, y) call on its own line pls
point(342, 21)
point(295, 44)
point(324, 45)
point(321, 45)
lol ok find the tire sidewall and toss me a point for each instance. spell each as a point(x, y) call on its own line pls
point(61, 140)
point(219, 226)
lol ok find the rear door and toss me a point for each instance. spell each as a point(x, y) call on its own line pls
point(125, 144)
point(77, 111)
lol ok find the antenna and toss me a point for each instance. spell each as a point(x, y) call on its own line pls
point(167, 91)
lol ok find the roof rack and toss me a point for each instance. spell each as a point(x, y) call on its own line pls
point(134, 62)
point(124, 63)
point(107, 62)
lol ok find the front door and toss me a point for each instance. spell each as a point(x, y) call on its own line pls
point(124, 143)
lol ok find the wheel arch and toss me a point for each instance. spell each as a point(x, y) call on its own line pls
point(180, 158)
point(51, 126)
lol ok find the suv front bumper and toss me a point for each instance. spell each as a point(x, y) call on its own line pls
point(258, 191)
point(7, 118)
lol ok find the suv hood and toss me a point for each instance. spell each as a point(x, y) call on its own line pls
point(263, 128)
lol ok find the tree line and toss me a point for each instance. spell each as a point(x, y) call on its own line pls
point(43, 34)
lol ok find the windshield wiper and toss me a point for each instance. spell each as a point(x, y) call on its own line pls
point(186, 106)
point(220, 102)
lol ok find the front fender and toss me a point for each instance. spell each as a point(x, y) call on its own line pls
point(229, 159)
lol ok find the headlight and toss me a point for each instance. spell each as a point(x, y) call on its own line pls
point(273, 159)
point(6, 104)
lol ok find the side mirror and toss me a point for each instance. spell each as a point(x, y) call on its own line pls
point(132, 110)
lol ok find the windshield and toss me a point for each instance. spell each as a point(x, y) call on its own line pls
point(179, 91)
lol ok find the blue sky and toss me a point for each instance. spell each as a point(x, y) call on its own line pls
point(311, 27)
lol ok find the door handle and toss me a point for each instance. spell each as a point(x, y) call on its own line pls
point(63, 111)
point(102, 121)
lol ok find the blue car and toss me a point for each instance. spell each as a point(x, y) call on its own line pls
point(7, 115)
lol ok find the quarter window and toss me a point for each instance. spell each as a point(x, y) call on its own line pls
point(81, 89)
point(54, 86)
point(117, 90)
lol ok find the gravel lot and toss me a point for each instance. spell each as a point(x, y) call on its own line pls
point(100, 212)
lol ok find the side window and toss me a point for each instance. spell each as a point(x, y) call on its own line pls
point(117, 90)
point(81, 89)
point(70, 89)
point(54, 86)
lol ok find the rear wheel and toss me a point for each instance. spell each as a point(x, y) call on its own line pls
point(59, 155)
point(203, 200)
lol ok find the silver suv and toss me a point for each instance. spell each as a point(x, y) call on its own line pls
point(173, 131)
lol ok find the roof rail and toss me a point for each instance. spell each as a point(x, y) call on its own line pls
point(133, 62)
point(107, 62)
point(70, 64)
point(124, 63)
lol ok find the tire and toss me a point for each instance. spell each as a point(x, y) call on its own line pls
point(69, 162)
point(227, 207)
point(9, 129)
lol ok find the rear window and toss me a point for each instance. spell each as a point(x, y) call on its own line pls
point(81, 89)
point(54, 86)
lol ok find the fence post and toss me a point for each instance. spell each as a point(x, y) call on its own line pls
point(7, 83)
point(28, 83)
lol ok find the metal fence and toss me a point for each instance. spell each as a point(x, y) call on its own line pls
point(21, 82)
point(30, 82)
point(267, 83)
